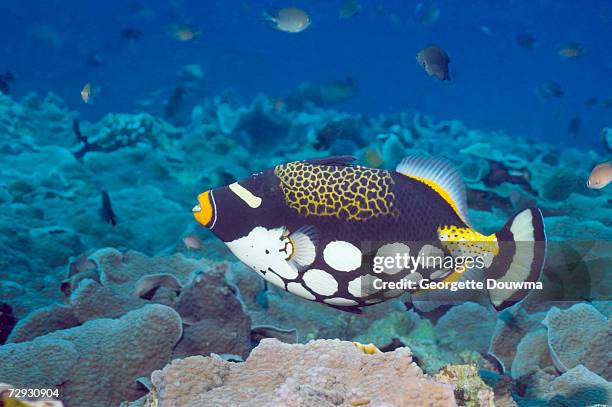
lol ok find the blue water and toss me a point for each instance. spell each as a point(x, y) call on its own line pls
point(493, 78)
point(71, 259)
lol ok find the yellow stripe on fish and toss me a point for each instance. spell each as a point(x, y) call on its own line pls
point(441, 191)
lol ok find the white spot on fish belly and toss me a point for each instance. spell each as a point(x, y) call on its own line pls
point(343, 302)
point(342, 256)
point(299, 290)
point(273, 278)
point(321, 282)
point(430, 251)
point(391, 250)
point(362, 286)
point(261, 249)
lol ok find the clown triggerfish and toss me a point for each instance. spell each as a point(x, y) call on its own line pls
point(316, 227)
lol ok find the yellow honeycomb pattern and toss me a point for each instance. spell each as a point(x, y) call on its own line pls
point(352, 193)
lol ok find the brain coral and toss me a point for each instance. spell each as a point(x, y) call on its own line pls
point(220, 323)
point(43, 321)
point(321, 373)
point(467, 327)
point(41, 363)
point(512, 324)
point(579, 387)
point(570, 333)
point(531, 354)
point(97, 363)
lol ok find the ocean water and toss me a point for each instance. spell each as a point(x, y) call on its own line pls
point(121, 121)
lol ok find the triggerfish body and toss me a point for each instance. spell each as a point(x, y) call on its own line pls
point(315, 228)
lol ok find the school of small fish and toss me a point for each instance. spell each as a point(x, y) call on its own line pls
point(433, 59)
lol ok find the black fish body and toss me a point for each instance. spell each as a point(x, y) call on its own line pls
point(315, 227)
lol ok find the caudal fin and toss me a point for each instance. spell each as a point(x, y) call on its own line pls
point(518, 265)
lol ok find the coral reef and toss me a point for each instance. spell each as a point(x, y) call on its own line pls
point(576, 334)
point(321, 373)
point(71, 282)
point(116, 131)
point(97, 363)
point(470, 390)
point(511, 326)
point(560, 357)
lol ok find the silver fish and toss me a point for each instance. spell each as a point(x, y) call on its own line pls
point(291, 19)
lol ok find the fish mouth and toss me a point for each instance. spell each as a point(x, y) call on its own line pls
point(205, 212)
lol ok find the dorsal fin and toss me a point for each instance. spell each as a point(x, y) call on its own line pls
point(332, 160)
point(442, 177)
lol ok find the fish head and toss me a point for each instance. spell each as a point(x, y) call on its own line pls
point(233, 211)
point(249, 217)
point(421, 60)
point(594, 182)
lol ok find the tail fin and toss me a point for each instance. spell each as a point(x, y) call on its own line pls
point(270, 15)
point(518, 265)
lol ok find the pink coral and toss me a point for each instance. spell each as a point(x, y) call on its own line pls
point(322, 373)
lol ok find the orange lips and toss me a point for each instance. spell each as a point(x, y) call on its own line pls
point(203, 211)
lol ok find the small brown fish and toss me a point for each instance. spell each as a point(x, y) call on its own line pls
point(600, 176)
point(106, 211)
point(184, 32)
point(291, 19)
point(147, 285)
point(192, 242)
point(571, 50)
point(435, 62)
point(88, 93)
